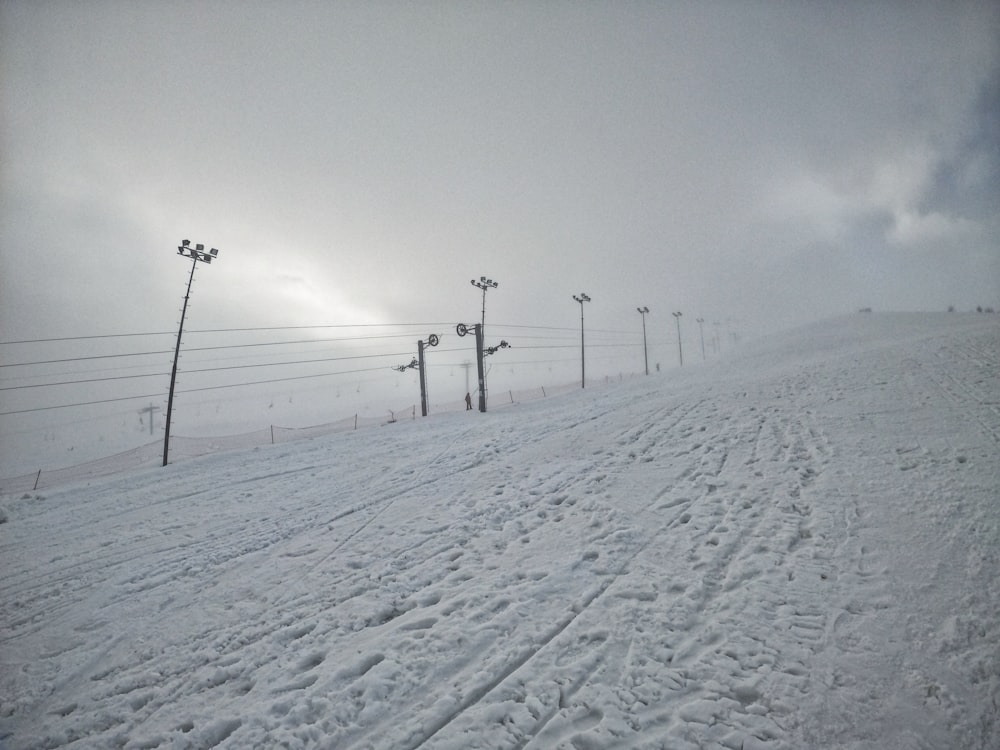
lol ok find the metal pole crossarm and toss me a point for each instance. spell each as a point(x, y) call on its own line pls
point(495, 349)
point(403, 368)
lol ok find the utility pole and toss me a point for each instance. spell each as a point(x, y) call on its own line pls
point(701, 327)
point(418, 365)
point(422, 371)
point(481, 351)
point(680, 349)
point(483, 284)
point(645, 351)
point(196, 254)
point(481, 367)
point(583, 367)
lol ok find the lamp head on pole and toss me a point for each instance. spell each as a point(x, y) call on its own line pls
point(197, 252)
point(485, 283)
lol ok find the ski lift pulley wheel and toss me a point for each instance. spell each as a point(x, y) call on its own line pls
point(433, 339)
point(461, 329)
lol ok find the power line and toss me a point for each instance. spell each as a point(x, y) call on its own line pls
point(81, 359)
point(188, 390)
point(280, 380)
point(299, 328)
point(86, 338)
point(300, 341)
point(298, 362)
point(213, 369)
point(217, 330)
point(203, 349)
point(81, 403)
point(77, 382)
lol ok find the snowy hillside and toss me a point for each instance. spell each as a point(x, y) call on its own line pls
point(797, 547)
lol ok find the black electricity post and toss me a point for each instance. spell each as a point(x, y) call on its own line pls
point(483, 284)
point(423, 378)
point(482, 372)
point(645, 352)
point(196, 254)
point(583, 364)
point(481, 351)
point(418, 365)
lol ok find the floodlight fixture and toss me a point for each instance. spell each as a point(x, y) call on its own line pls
point(484, 284)
point(197, 253)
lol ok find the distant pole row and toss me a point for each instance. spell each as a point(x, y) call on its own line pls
point(198, 254)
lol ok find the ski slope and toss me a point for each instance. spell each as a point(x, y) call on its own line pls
point(796, 546)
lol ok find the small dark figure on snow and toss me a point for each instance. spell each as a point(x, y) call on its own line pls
point(468, 402)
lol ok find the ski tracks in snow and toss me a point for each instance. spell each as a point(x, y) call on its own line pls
point(710, 576)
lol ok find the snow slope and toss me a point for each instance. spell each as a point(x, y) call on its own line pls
point(797, 547)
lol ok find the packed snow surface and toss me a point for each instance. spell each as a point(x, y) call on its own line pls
point(796, 546)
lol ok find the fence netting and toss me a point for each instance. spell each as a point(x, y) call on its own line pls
point(182, 448)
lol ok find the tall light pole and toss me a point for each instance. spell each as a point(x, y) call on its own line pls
point(483, 284)
point(418, 365)
point(196, 254)
point(680, 350)
point(583, 369)
point(701, 327)
point(645, 351)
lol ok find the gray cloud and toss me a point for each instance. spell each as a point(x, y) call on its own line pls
point(730, 159)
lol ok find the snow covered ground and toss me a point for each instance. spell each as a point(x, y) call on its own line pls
point(795, 547)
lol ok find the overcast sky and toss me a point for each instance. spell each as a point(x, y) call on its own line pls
point(360, 162)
